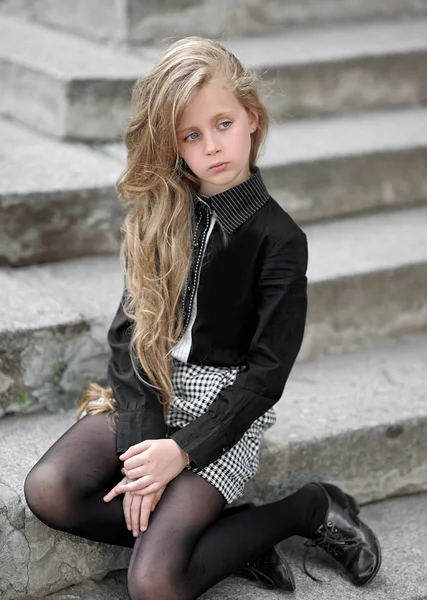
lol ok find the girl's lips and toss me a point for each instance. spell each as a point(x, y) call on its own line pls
point(219, 167)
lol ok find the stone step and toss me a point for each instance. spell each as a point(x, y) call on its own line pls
point(367, 282)
point(401, 525)
point(316, 169)
point(65, 86)
point(330, 167)
point(72, 88)
point(359, 420)
point(134, 22)
point(65, 206)
point(340, 68)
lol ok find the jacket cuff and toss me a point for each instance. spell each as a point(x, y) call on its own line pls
point(201, 454)
point(136, 426)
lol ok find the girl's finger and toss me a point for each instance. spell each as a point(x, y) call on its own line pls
point(150, 489)
point(136, 449)
point(146, 504)
point(137, 473)
point(135, 514)
point(127, 502)
point(139, 460)
point(113, 493)
point(134, 486)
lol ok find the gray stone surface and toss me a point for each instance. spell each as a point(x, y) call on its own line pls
point(328, 167)
point(134, 22)
point(57, 200)
point(401, 525)
point(53, 330)
point(37, 560)
point(364, 285)
point(23, 8)
point(347, 67)
point(340, 68)
point(321, 168)
point(67, 205)
point(368, 280)
point(359, 420)
point(81, 90)
point(63, 85)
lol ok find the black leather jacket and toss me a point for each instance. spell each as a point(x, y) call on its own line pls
point(251, 310)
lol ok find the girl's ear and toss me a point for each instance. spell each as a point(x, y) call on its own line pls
point(253, 121)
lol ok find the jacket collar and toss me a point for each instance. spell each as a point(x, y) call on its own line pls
point(236, 205)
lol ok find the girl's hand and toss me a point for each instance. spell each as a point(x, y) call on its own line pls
point(137, 509)
point(150, 465)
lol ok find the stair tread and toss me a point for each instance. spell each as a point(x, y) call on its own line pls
point(51, 166)
point(370, 132)
point(341, 41)
point(39, 295)
point(77, 57)
point(366, 243)
point(329, 397)
point(63, 55)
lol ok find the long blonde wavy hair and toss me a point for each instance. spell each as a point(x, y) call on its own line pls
point(157, 187)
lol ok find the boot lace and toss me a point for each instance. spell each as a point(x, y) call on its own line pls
point(256, 574)
point(332, 541)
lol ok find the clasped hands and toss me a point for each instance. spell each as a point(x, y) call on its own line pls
point(148, 467)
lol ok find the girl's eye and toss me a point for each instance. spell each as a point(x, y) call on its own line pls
point(193, 136)
point(189, 138)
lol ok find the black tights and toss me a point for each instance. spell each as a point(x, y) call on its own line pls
point(190, 544)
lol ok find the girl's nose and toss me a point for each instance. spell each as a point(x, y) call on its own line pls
point(211, 144)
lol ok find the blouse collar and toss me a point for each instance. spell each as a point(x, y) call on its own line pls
point(236, 205)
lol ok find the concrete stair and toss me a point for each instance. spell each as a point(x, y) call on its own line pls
point(353, 174)
point(72, 88)
point(358, 419)
point(64, 86)
point(133, 22)
point(339, 68)
point(65, 206)
point(55, 316)
point(312, 168)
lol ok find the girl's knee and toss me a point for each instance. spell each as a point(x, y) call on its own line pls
point(38, 485)
point(45, 491)
point(152, 583)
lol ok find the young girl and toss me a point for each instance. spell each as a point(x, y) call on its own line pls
point(208, 328)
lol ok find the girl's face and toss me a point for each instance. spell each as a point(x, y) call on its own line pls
point(216, 129)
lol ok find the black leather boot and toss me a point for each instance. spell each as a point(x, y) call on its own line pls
point(271, 569)
point(346, 538)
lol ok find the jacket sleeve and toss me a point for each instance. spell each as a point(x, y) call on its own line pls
point(140, 411)
point(282, 310)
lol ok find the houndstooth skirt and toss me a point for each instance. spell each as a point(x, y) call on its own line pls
point(195, 388)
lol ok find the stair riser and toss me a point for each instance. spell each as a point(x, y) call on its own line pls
point(344, 86)
point(85, 110)
point(340, 186)
point(51, 227)
point(371, 464)
point(57, 226)
point(353, 312)
point(133, 22)
point(54, 365)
